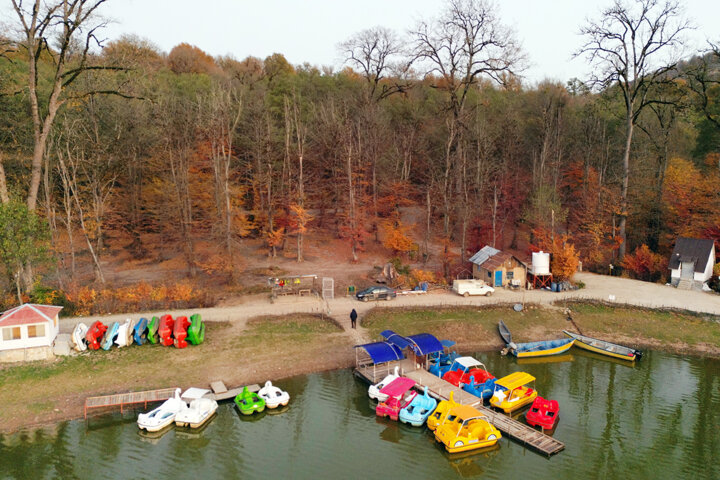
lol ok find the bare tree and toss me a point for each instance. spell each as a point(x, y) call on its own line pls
point(63, 31)
point(378, 54)
point(632, 47)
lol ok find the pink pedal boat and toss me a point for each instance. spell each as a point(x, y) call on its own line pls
point(400, 394)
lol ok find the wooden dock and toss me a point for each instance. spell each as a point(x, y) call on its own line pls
point(221, 392)
point(131, 398)
point(440, 389)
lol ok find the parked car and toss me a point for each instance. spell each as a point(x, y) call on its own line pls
point(377, 292)
point(472, 287)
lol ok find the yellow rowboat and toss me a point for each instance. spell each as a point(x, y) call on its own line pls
point(512, 392)
point(440, 413)
point(540, 349)
point(604, 348)
point(466, 429)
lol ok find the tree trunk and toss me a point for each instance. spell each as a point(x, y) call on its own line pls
point(624, 192)
point(351, 208)
point(4, 198)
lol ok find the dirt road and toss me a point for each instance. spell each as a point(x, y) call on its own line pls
point(597, 287)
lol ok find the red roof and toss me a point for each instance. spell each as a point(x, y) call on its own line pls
point(27, 314)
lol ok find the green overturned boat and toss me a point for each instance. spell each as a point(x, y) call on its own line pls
point(196, 330)
point(249, 402)
point(152, 330)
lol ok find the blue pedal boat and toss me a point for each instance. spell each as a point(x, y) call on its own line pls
point(140, 331)
point(481, 390)
point(419, 409)
point(110, 336)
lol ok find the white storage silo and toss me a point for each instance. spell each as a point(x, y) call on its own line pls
point(540, 263)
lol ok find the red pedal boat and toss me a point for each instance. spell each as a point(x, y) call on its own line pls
point(180, 331)
point(95, 334)
point(465, 367)
point(165, 330)
point(543, 413)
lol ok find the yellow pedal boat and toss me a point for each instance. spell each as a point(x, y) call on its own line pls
point(440, 413)
point(466, 429)
point(513, 391)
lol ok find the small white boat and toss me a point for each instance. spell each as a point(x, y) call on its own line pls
point(199, 412)
point(273, 396)
point(78, 337)
point(125, 333)
point(164, 415)
point(374, 390)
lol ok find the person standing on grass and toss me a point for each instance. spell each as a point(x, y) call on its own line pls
point(353, 318)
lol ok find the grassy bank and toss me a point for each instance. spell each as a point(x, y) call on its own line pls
point(475, 328)
point(264, 348)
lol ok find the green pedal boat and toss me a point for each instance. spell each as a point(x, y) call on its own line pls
point(196, 331)
point(249, 402)
point(152, 330)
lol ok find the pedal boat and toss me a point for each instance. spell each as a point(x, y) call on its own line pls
point(513, 392)
point(273, 396)
point(197, 414)
point(78, 337)
point(140, 331)
point(180, 328)
point(164, 415)
point(374, 390)
point(482, 390)
point(604, 348)
point(466, 429)
point(110, 336)
point(399, 395)
point(95, 335)
point(196, 330)
point(165, 330)
point(418, 410)
point(125, 334)
point(249, 402)
point(440, 414)
point(440, 363)
point(543, 413)
point(152, 330)
point(465, 367)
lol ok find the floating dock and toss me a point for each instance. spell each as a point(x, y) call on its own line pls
point(440, 389)
point(124, 399)
point(221, 392)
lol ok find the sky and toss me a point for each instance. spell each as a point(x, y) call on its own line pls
point(309, 30)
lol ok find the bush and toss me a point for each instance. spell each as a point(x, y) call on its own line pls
point(645, 264)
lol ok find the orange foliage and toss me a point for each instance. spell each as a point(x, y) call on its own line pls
point(275, 237)
point(396, 237)
point(301, 217)
point(645, 264)
point(142, 296)
point(186, 58)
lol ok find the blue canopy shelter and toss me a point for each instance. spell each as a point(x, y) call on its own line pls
point(374, 354)
point(421, 344)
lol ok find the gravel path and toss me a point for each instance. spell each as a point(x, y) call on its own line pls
point(597, 287)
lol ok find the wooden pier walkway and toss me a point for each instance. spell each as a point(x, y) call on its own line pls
point(221, 392)
point(132, 398)
point(440, 389)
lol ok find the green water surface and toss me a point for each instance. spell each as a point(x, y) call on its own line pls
point(658, 419)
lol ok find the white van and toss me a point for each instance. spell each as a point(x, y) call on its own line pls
point(472, 287)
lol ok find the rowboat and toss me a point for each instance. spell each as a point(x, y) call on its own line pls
point(504, 332)
point(539, 349)
point(604, 348)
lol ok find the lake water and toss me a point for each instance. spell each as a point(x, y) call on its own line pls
point(658, 419)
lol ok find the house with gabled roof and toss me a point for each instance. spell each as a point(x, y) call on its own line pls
point(27, 332)
point(497, 268)
point(691, 262)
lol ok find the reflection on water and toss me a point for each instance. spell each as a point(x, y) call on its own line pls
point(659, 419)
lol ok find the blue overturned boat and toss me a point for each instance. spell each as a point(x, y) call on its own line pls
point(418, 410)
point(110, 336)
point(140, 331)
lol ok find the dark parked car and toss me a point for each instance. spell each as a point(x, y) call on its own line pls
point(376, 293)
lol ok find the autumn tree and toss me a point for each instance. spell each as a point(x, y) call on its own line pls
point(630, 47)
point(186, 58)
point(645, 264)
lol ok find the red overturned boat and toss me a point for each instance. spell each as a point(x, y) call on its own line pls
point(543, 413)
point(165, 330)
point(180, 331)
point(95, 334)
point(465, 367)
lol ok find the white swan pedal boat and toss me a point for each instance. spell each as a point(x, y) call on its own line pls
point(374, 390)
point(199, 412)
point(273, 396)
point(164, 415)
